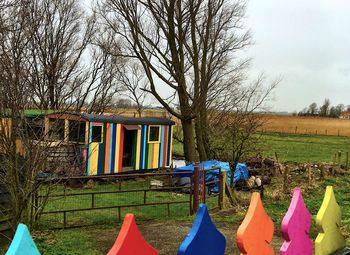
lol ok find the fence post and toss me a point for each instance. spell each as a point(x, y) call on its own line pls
point(322, 171)
point(309, 172)
point(191, 195)
point(285, 179)
point(196, 187)
point(32, 210)
point(222, 180)
point(92, 200)
point(64, 219)
point(36, 205)
point(203, 190)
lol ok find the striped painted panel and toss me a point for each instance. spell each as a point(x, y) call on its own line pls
point(170, 145)
point(94, 158)
point(121, 145)
point(143, 147)
point(138, 149)
point(107, 148)
point(161, 147)
point(117, 149)
point(113, 148)
point(88, 160)
point(165, 145)
point(155, 161)
point(149, 155)
point(107, 157)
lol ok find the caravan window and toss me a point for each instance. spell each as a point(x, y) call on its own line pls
point(34, 128)
point(56, 129)
point(77, 131)
point(97, 134)
point(154, 134)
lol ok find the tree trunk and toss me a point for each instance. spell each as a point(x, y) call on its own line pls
point(200, 140)
point(188, 145)
point(233, 166)
point(202, 135)
point(205, 131)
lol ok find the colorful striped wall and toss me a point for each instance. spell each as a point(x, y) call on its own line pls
point(154, 155)
point(106, 157)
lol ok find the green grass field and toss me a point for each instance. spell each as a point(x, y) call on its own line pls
point(297, 148)
point(97, 240)
point(304, 148)
point(136, 196)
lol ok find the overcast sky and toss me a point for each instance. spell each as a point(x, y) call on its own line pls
point(307, 42)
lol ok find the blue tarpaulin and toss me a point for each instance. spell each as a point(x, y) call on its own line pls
point(241, 172)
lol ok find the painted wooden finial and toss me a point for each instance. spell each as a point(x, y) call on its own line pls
point(130, 240)
point(203, 238)
point(256, 231)
point(328, 221)
point(296, 226)
point(22, 243)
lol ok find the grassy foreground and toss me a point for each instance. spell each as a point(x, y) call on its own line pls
point(166, 234)
point(97, 240)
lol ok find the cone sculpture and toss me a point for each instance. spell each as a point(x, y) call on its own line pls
point(296, 227)
point(256, 231)
point(203, 238)
point(328, 220)
point(130, 240)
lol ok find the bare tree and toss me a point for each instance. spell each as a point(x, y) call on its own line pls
point(18, 166)
point(67, 68)
point(59, 41)
point(133, 84)
point(324, 109)
point(313, 109)
point(184, 47)
point(101, 84)
point(234, 123)
point(41, 62)
point(339, 109)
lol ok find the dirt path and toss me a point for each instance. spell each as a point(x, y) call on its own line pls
point(167, 236)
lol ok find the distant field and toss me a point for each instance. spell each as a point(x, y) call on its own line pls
point(297, 147)
point(307, 125)
point(304, 148)
point(300, 139)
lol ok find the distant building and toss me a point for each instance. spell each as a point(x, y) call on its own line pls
point(344, 115)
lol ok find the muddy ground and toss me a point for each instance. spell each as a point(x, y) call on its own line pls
point(167, 236)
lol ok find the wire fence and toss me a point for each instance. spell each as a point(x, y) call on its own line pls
point(107, 200)
point(306, 131)
point(91, 200)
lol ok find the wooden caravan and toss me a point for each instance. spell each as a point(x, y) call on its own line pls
point(113, 144)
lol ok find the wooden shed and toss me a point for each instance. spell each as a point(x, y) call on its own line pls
point(113, 144)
